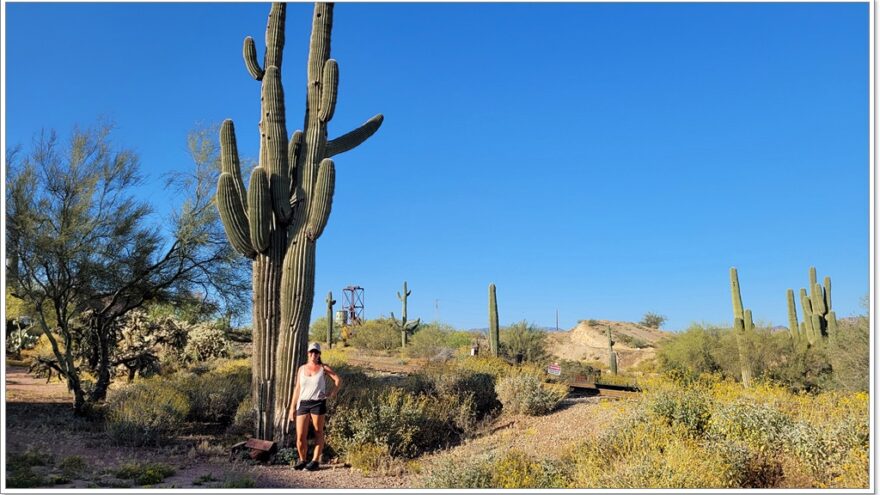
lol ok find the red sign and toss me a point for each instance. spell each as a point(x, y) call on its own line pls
point(554, 369)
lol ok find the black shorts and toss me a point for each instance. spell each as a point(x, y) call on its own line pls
point(317, 407)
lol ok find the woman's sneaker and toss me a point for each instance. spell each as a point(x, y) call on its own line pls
point(300, 465)
point(312, 466)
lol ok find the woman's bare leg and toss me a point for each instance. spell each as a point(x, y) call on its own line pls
point(318, 423)
point(302, 436)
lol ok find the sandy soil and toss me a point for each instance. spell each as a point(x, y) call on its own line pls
point(588, 341)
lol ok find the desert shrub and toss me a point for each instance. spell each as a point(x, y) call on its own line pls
point(524, 393)
point(461, 472)
point(376, 335)
point(653, 320)
point(215, 396)
point(144, 473)
point(372, 459)
point(526, 340)
point(690, 352)
point(689, 409)
point(773, 356)
point(146, 412)
point(408, 424)
point(206, 341)
point(72, 467)
point(633, 341)
point(318, 331)
point(496, 367)
point(515, 469)
point(433, 339)
point(236, 481)
point(849, 354)
point(244, 419)
point(19, 468)
point(460, 384)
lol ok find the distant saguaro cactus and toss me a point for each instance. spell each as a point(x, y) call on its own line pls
point(612, 356)
point(819, 320)
point(406, 328)
point(330, 302)
point(278, 219)
point(742, 326)
point(494, 332)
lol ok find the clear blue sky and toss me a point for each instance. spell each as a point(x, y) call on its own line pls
point(602, 159)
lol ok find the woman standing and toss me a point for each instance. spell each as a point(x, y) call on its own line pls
point(310, 404)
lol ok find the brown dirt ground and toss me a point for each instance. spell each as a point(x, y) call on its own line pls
point(39, 417)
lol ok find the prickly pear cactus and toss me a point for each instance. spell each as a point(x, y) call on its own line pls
point(742, 324)
point(494, 332)
point(406, 328)
point(278, 219)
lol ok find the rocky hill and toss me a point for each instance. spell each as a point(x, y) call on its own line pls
point(588, 341)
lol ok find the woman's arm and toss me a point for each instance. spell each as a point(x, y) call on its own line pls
point(295, 402)
point(336, 381)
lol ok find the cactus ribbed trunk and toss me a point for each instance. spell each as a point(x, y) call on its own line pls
point(278, 219)
point(740, 328)
point(494, 332)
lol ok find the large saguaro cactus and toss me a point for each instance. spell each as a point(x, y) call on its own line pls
point(406, 328)
point(277, 220)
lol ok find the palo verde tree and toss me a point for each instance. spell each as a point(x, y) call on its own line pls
point(84, 253)
point(278, 219)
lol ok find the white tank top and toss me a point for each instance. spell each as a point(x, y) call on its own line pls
point(311, 387)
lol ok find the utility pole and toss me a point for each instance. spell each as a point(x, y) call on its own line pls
point(557, 319)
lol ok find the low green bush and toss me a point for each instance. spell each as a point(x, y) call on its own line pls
point(376, 335)
point(145, 473)
point(690, 409)
point(525, 340)
point(73, 467)
point(148, 412)
point(215, 396)
point(524, 393)
point(408, 424)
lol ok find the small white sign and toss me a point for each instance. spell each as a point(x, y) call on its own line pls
point(554, 369)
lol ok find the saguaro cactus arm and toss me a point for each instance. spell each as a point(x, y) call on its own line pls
point(353, 139)
point(232, 215)
point(259, 209)
point(322, 201)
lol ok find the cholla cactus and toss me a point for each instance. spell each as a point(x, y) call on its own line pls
point(278, 219)
point(406, 328)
